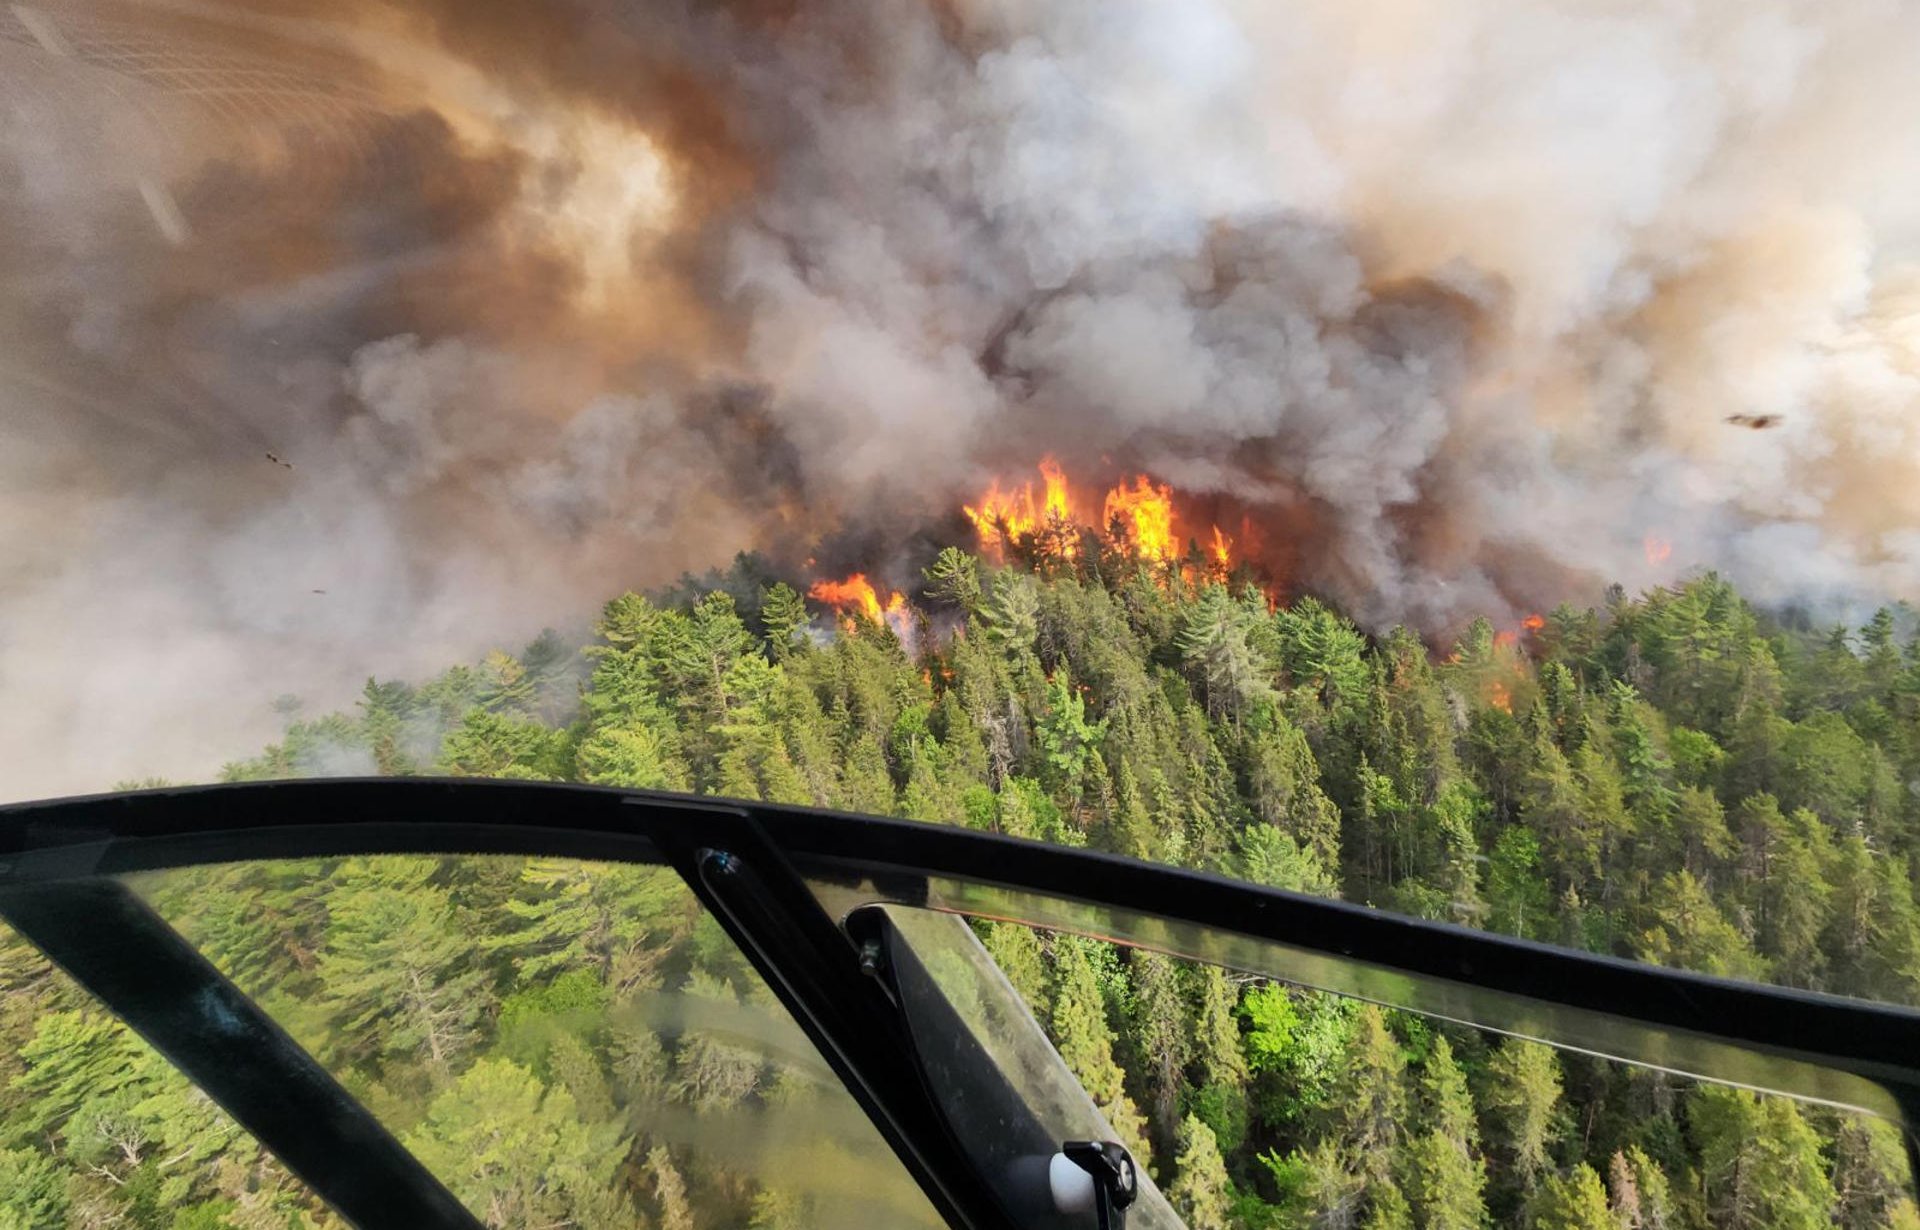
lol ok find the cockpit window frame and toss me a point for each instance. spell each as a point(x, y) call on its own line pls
point(783, 881)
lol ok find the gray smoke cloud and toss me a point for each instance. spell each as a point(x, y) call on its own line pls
point(1455, 302)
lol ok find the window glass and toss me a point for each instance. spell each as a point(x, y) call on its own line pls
point(1256, 1103)
point(561, 1043)
point(98, 1130)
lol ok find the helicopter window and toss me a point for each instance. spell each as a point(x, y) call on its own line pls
point(97, 1129)
point(559, 1042)
point(1243, 1097)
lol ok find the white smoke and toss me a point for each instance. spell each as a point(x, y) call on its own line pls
point(544, 302)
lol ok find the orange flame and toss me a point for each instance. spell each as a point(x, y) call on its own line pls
point(1005, 517)
point(1658, 550)
point(1138, 516)
point(1002, 515)
point(1222, 548)
point(856, 596)
point(1058, 505)
point(1499, 697)
point(1533, 623)
point(1145, 514)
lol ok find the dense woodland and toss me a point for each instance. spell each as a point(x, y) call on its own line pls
point(1674, 777)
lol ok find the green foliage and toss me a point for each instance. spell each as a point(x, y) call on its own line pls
point(1077, 1022)
point(1517, 895)
point(1217, 651)
point(1067, 742)
point(1760, 1162)
point(1323, 653)
point(1199, 1190)
point(399, 973)
point(1522, 1097)
point(512, 1150)
point(954, 578)
point(489, 744)
point(1574, 1201)
point(33, 1194)
point(784, 618)
point(1010, 616)
point(1674, 776)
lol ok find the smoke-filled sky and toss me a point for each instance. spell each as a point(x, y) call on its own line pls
point(340, 339)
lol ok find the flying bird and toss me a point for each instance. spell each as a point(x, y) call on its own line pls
point(278, 460)
point(1756, 422)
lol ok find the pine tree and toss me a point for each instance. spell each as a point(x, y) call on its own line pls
point(399, 974)
point(1652, 1193)
point(1576, 1201)
point(1284, 787)
point(1686, 930)
point(513, 1150)
point(1324, 653)
point(1517, 897)
point(1219, 1092)
point(1443, 1175)
point(33, 1190)
point(1270, 857)
point(669, 1190)
point(1067, 742)
point(488, 744)
point(1216, 652)
point(640, 755)
point(1017, 951)
point(1010, 616)
point(1158, 1040)
point(711, 1071)
point(1199, 1191)
point(1760, 1163)
point(954, 579)
point(1368, 1104)
point(1078, 1025)
point(1522, 1098)
point(617, 922)
point(1870, 1174)
point(784, 619)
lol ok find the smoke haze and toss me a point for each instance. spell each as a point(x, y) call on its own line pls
point(353, 338)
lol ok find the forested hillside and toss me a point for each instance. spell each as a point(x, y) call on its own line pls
point(1672, 777)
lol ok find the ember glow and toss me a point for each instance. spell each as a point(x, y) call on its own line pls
point(1658, 550)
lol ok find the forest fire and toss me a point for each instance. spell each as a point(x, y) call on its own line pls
point(1044, 523)
point(1222, 549)
point(1138, 516)
point(1009, 516)
point(856, 596)
point(1144, 513)
point(1508, 638)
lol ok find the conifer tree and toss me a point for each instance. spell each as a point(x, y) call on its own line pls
point(1199, 1190)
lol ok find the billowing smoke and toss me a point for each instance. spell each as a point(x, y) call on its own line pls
point(340, 339)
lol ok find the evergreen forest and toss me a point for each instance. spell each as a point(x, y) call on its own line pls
point(1675, 777)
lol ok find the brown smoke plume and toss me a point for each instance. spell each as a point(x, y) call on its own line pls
point(531, 303)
